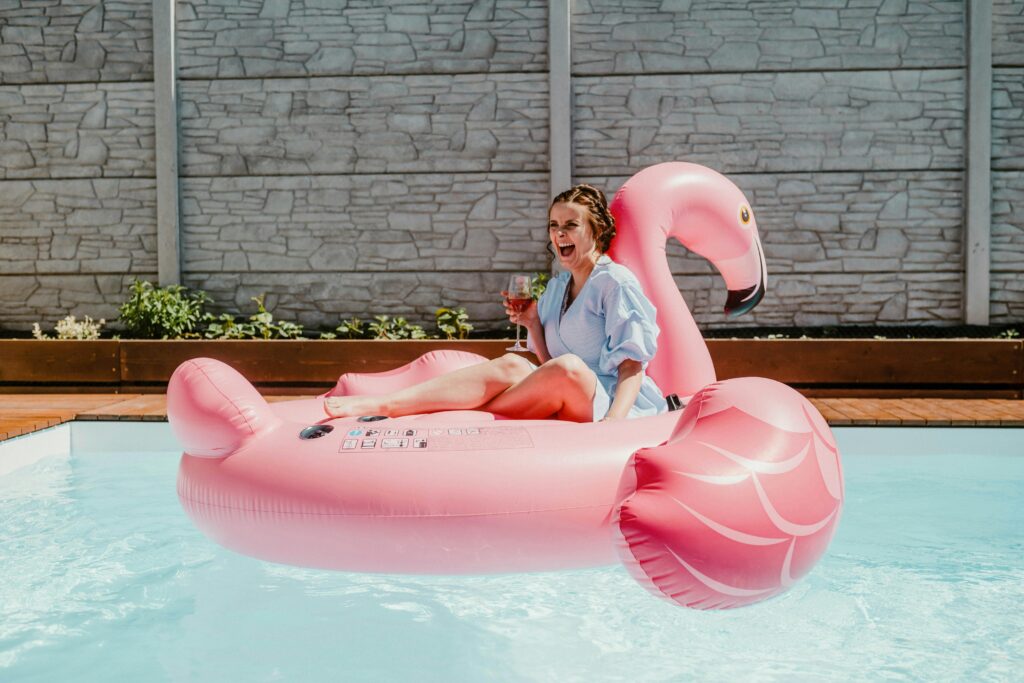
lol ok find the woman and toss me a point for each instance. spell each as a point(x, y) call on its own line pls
point(593, 329)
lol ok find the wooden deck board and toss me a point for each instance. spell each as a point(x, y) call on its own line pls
point(832, 413)
point(25, 413)
point(46, 402)
point(138, 407)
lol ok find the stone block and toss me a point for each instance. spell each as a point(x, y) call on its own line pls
point(72, 226)
point(69, 41)
point(1007, 226)
point(370, 224)
point(619, 38)
point(1008, 118)
point(833, 224)
point(1007, 32)
point(119, 118)
point(332, 38)
point(409, 124)
point(788, 134)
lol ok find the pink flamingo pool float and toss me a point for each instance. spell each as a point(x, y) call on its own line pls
point(723, 504)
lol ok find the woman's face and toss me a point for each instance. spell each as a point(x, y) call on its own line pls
point(572, 236)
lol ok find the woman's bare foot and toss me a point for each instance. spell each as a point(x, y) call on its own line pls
point(348, 406)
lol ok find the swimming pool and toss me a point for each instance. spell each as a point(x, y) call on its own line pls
point(103, 577)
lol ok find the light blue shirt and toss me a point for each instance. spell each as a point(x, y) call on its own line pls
point(610, 321)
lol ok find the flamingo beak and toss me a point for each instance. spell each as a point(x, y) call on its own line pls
point(739, 301)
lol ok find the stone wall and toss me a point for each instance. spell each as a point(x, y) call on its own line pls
point(348, 125)
point(1008, 161)
point(352, 158)
point(843, 123)
point(315, 38)
point(77, 188)
point(332, 246)
point(76, 41)
point(372, 160)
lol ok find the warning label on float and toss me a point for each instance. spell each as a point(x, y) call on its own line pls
point(477, 439)
point(441, 439)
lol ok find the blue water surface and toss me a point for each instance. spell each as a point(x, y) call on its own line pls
point(102, 577)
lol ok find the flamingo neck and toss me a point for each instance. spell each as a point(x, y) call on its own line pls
point(682, 364)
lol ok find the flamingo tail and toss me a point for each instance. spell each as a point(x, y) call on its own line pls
point(213, 410)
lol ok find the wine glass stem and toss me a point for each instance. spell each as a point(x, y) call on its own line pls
point(517, 334)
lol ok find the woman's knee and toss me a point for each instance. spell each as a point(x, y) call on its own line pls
point(513, 367)
point(571, 369)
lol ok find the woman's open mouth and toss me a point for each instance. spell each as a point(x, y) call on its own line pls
point(566, 250)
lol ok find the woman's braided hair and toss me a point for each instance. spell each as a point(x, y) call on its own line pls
point(593, 200)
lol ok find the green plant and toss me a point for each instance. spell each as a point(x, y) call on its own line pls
point(69, 328)
point(225, 327)
point(1005, 334)
point(385, 327)
point(261, 325)
point(352, 328)
point(453, 322)
point(264, 326)
point(171, 312)
point(538, 284)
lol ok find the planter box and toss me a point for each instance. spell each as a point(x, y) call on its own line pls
point(872, 367)
point(28, 361)
point(818, 367)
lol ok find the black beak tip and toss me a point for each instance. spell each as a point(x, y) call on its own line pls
point(740, 301)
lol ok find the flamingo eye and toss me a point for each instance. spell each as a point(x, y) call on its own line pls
point(744, 215)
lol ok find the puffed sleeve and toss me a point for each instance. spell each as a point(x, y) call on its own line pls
point(631, 330)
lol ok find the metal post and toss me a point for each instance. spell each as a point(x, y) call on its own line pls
point(560, 100)
point(560, 86)
point(168, 238)
point(978, 164)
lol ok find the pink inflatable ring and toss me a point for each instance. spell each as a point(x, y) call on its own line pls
point(723, 504)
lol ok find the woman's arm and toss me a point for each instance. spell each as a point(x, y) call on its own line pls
point(631, 377)
point(536, 330)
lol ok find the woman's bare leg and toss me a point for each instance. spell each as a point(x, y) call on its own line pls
point(461, 389)
point(563, 386)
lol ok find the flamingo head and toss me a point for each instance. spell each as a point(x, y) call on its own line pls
point(703, 210)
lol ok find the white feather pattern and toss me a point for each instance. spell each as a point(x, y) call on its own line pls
point(760, 467)
point(729, 532)
point(784, 576)
point(723, 588)
point(784, 525)
point(828, 463)
point(716, 479)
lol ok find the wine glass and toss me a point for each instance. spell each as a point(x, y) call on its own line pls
point(519, 299)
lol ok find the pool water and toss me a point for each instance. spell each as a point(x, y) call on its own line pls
point(102, 577)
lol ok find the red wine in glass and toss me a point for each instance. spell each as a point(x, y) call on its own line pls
point(519, 305)
point(519, 299)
